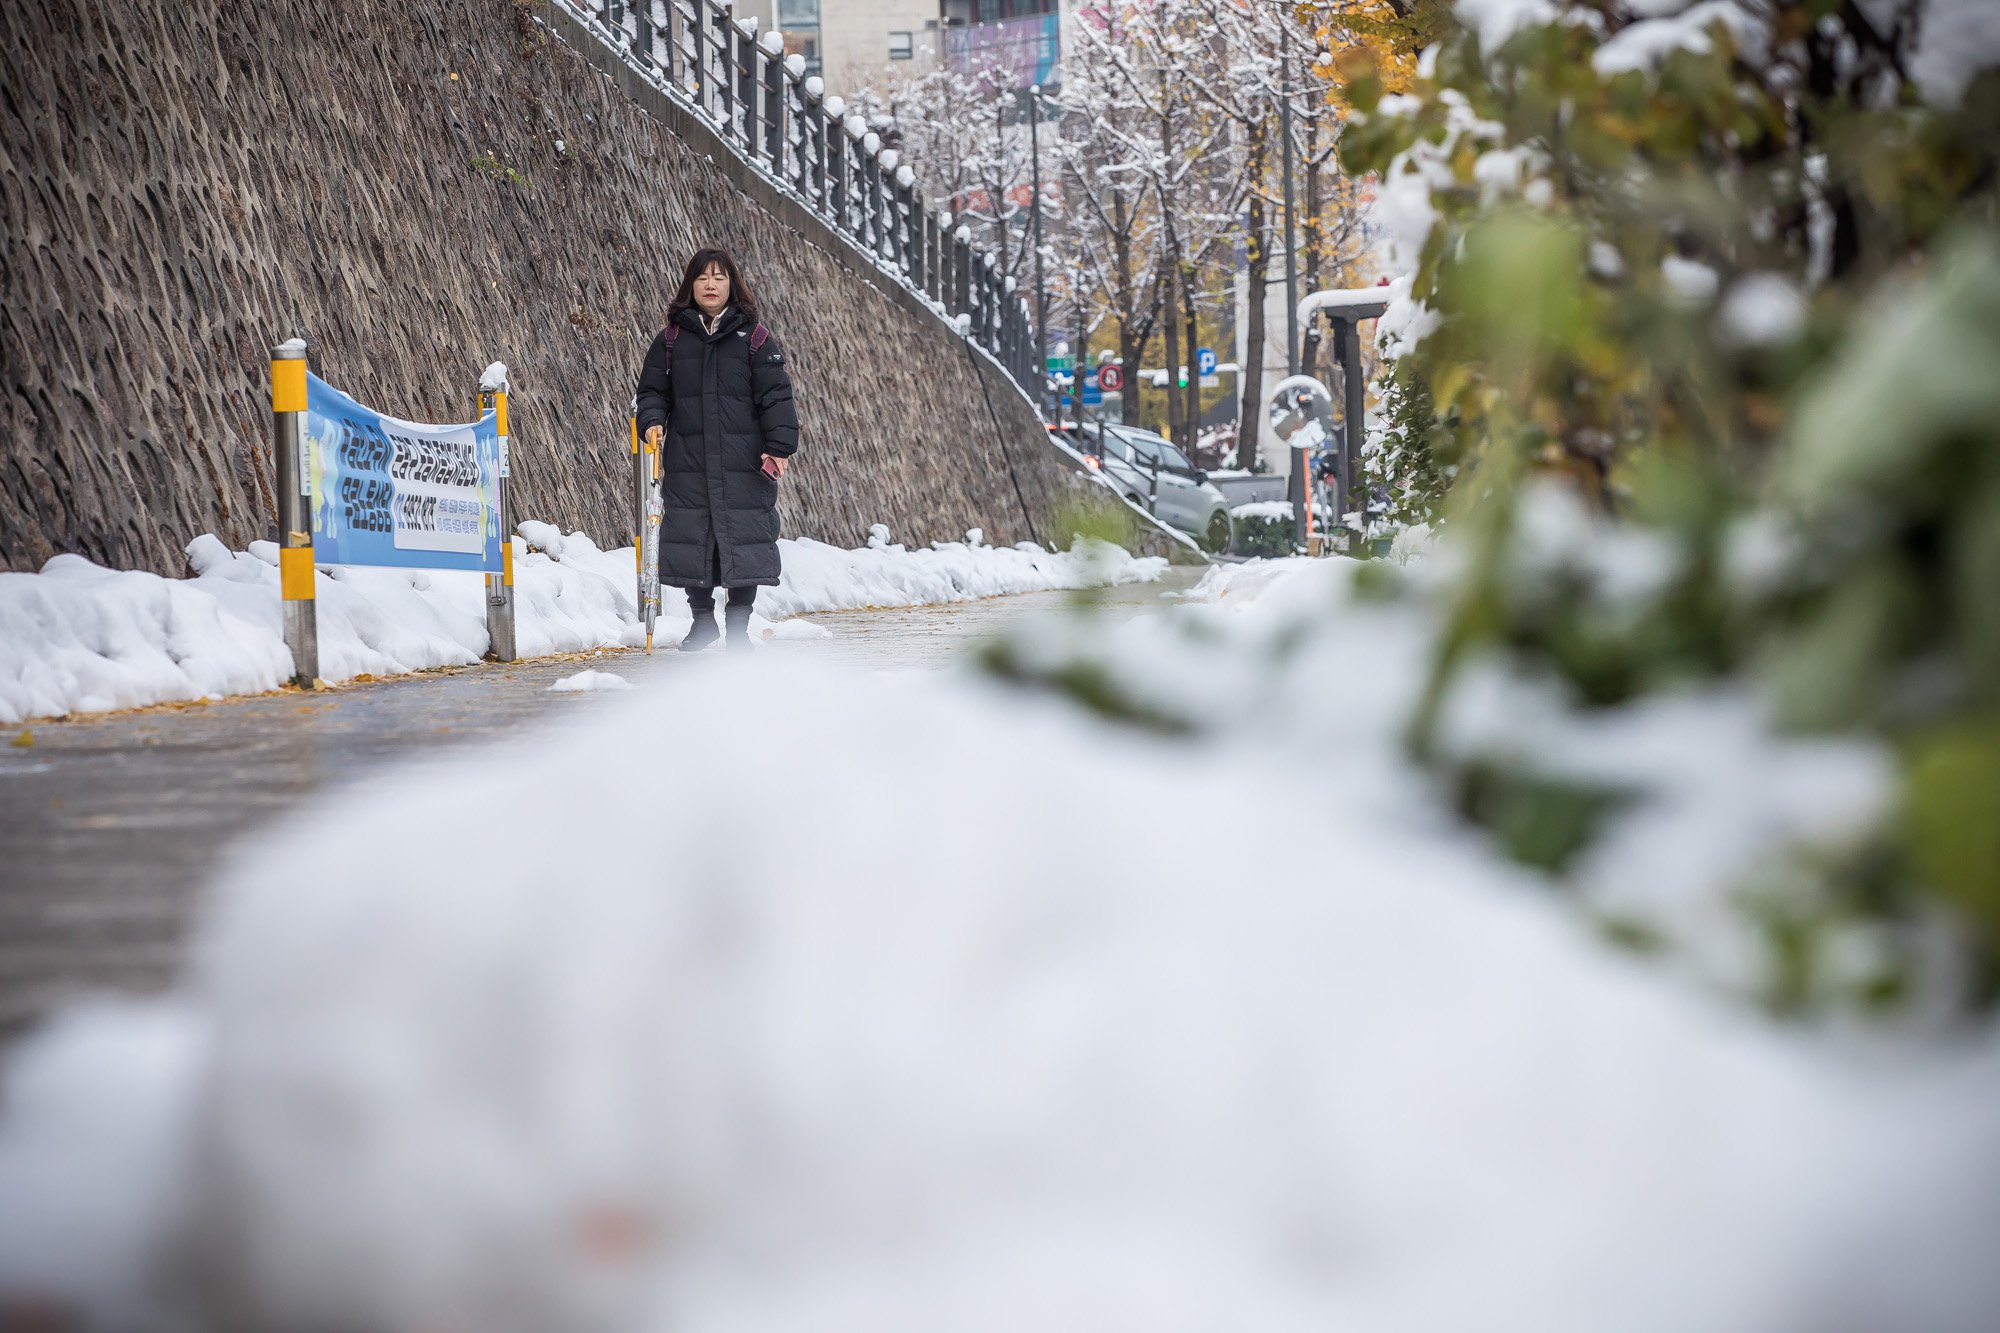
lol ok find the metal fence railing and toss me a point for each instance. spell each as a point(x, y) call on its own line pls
point(778, 121)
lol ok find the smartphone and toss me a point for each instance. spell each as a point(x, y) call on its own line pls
point(771, 468)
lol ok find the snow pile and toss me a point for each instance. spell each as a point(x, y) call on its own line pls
point(797, 629)
point(544, 537)
point(1245, 581)
point(588, 682)
point(1261, 509)
point(78, 638)
point(819, 577)
point(926, 1051)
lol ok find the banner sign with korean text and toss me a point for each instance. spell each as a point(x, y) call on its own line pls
point(389, 492)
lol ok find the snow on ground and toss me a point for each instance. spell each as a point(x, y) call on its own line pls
point(797, 628)
point(922, 1004)
point(588, 682)
point(78, 638)
point(819, 577)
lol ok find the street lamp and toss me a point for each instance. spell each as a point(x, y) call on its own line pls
point(1041, 288)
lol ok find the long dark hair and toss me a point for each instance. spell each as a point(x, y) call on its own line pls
point(739, 290)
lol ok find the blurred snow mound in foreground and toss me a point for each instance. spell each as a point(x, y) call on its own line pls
point(920, 1004)
point(79, 638)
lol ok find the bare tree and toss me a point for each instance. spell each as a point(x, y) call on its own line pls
point(1151, 62)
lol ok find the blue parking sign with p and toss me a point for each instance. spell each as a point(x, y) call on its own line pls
point(1204, 360)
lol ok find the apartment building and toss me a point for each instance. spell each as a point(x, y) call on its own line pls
point(872, 43)
point(857, 43)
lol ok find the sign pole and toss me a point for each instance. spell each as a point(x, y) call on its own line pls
point(500, 587)
point(295, 545)
point(1355, 412)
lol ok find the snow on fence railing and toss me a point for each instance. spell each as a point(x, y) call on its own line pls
point(359, 488)
point(782, 124)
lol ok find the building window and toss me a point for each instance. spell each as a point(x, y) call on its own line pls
point(899, 46)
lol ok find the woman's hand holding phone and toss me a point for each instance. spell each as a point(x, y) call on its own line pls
point(774, 468)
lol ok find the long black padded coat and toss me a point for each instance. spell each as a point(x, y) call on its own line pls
point(724, 406)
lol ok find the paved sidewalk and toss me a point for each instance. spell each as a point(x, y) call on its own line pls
point(109, 825)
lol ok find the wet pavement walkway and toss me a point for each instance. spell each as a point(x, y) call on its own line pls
point(110, 824)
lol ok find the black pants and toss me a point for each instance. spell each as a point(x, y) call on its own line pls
point(701, 601)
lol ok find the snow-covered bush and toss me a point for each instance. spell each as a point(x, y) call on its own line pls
point(1692, 357)
point(1265, 528)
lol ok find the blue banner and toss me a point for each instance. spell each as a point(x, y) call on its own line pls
point(389, 492)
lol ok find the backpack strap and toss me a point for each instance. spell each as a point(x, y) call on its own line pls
point(672, 331)
point(758, 337)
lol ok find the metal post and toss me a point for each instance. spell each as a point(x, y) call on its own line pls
point(723, 26)
point(294, 488)
point(694, 78)
point(746, 86)
point(815, 149)
point(1342, 336)
point(500, 587)
point(933, 283)
point(871, 179)
point(836, 162)
point(1354, 434)
point(673, 69)
point(961, 252)
point(1300, 488)
point(774, 108)
point(753, 126)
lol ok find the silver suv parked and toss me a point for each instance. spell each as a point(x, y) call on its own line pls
point(1152, 473)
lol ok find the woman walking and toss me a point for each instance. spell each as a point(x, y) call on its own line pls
point(715, 386)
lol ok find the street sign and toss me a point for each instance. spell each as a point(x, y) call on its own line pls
point(1211, 381)
point(1092, 395)
point(1061, 365)
point(1204, 360)
point(1110, 378)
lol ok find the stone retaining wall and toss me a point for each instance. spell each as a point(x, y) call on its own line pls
point(417, 188)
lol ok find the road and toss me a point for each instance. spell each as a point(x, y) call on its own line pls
point(111, 824)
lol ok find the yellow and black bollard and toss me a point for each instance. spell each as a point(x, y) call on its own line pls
point(500, 587)
point(295, 544)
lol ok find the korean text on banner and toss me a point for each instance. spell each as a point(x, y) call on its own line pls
point(389, 492)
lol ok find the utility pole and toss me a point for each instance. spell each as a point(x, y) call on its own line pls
point(1298, 486)
point(1291, 232)
point(1041, 288)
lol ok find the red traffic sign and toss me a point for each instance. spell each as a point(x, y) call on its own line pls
point(1110, 378)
